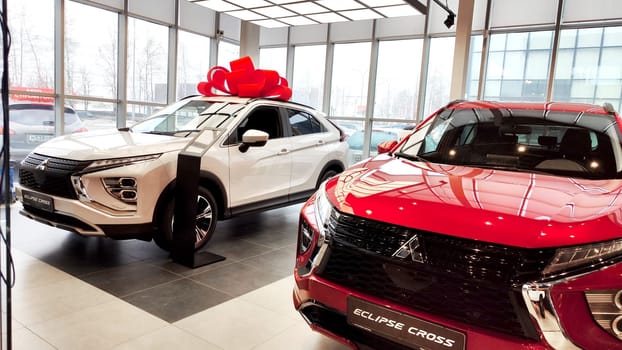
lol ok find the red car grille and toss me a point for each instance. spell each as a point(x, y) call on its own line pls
point(50, 175)
point(473, 282)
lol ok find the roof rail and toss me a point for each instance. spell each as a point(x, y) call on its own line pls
point(456, 101)
point(609, 108)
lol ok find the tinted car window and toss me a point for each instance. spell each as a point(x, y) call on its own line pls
point(303, 123)
point(562, 144)
point(267, 119)
point(184, 115)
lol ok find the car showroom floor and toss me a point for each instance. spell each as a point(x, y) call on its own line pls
point(74, 292)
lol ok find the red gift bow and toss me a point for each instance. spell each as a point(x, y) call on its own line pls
point(245, 81)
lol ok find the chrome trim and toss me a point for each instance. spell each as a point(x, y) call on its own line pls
point(537, 297)
point(305, 304)
point(79, 188)
point(606, 309)
point(615, 328)
point(321, 246)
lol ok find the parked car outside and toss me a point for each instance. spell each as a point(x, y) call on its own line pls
point(121, 183)
point(355, 141)
point(31, 124)
point(492, 226)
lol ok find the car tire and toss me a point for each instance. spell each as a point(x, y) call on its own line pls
point(327, 174)
point(206, 218)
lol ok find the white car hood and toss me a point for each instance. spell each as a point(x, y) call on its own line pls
point(109, 144)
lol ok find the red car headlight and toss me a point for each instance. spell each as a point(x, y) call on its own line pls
point(312, 231)
point(590, 254)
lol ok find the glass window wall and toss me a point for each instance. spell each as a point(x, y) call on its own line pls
point(350, 79)
point(518, 66)
point(589, 68)
point(192, 62)
point(439, 73)
point(227, 52)
point(273, 58)
point(31, 57)
point(90, 51)
point(147, 61)
point(91, 62)
point(308, 79)
point(397, 79)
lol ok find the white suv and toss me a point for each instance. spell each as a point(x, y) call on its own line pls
point(258, 154)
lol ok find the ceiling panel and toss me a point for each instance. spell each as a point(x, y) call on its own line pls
point(280, 13)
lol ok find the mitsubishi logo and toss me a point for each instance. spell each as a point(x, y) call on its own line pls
point(43, 165)
point(411, 248)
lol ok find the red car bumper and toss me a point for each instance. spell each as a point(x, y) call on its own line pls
point(324, 305)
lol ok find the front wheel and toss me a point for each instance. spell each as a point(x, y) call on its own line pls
point(206, 217)
point(325, 176)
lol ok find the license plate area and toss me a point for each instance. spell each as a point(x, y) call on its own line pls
point(37, 200)
point(401, 328)
point(38, 138)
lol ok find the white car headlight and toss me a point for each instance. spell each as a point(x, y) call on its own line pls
point(117, 162)
point(590, 254)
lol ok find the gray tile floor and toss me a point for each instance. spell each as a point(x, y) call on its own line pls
point(77, 292)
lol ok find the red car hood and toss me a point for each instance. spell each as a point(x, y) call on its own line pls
point(509, 208)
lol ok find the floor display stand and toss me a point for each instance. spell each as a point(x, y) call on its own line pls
point(186, 191)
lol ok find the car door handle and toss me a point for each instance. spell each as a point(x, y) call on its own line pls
point(320, 142)
point(282, 152)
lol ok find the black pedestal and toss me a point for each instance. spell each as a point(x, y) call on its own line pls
point(186, 191)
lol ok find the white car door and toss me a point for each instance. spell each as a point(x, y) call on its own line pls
point(311, 145)
point(261, 175)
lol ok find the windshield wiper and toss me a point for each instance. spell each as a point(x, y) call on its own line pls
point(410, 156)
point(173, 132)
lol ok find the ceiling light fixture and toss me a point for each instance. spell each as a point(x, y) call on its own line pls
point(451, 16)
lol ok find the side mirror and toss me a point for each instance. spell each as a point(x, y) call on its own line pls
point(253, 138)
point(386, 146)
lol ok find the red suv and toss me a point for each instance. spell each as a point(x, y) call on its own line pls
point(491, 226)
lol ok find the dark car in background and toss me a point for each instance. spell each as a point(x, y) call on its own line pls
point(31, 124)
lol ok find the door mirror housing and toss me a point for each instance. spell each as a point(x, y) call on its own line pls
point(386, 146)
point(253, 138)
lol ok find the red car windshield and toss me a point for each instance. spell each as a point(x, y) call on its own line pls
point(562, 143)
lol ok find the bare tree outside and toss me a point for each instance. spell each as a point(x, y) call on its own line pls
point(32, 44)
point(108, 52)
point(147, 64)
point(192, 62)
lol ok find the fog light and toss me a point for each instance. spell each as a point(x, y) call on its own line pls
point(616, 326)
point(305, 237)
point(127, 182)
point(122, 188)
point(606, 309)
point(617, 299)
point(130, 195)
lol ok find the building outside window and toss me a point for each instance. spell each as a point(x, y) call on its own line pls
point(589, 69)
point(518, 66)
